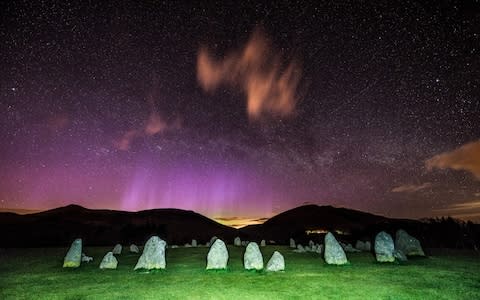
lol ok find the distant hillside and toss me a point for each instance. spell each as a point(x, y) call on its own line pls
point(106, 227)
point(313, 219)
point(58, 227)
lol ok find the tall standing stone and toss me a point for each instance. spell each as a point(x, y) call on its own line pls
point(253, 259)
point(153, 255)
point(276, 262)
point(74, 255)
point(109, 261)
point(237, 241)
point(384, 247)
point(217, 257)
point(408, 244)
point(117, 250)
point(334, 254)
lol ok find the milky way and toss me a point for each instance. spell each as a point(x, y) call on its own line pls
point(241, 110)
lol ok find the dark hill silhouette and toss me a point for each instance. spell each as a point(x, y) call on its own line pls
point(297, 222)
point(61, 225)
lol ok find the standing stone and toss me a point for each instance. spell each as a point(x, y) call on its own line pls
point(349, 248)
point(263, 243)
point(292, 243)
point(276, 262)
point(237, 241)
point(217, 257)
point(133, 248)
point(311, 244)
point(253, 259)
point(334, 254)
point(399, 255)
point(300, 249)
point(384, 247)
point(74, 255)
point(117, 250)
point(153, 255)
point(408, 244)
point(109, 261)
point(194, 243)
point(363, 246)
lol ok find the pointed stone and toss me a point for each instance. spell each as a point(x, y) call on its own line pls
point(74, 255)
point(334, 254)
point(109, 261)
point(153, 255)
point(276, 262)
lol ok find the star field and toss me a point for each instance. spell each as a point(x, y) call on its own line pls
point(241, 109)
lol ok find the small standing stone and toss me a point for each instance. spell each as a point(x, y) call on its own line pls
point(86, 258)
point(74, 255)
point(237, 241)
point(292, 243)
point(194, 243)
point(334, 254)
point(363, 246)
point(384, 247)
point(253, 259)
point(117, 250)
point(153, 256)
point(276, 262)
point(217, 257)
point(109, 261)
point(134, 248)
point(300, 249)
point(263, 243)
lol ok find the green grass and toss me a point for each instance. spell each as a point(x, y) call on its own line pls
point(38, 274)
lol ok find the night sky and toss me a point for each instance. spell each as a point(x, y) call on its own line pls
point(241, 110)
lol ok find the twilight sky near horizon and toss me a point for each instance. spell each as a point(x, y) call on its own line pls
point(241, 110)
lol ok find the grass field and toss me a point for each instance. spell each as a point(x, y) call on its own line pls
point(38, 274)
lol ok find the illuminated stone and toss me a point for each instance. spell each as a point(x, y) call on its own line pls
point(217, 257)
point(109, 261)
point(253, 259)
point(384, 247)
point(134, 248)
point(276, 262)
point(237, 241)
point(74, 255)
point(153, 255)
point(86, 258)
point(334, 254)
point(117, 250)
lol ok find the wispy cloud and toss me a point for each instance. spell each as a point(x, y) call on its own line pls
point(411, 188)
point(270, 85)
point(465, 210)
point(155, 124)
point(466, 157)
